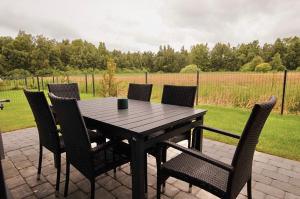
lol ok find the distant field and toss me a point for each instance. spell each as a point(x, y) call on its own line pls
point(215, 88)
point(280, 136)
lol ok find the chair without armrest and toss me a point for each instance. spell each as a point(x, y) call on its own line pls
point(223, 180)
point(140, 92)
point(48, 132)
point(70, 90)
point(91, 162)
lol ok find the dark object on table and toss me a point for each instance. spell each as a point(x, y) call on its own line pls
point(48, 132)
point(91, 162)
point(70, 90)
point(139, 92)
point(218, 178)
point(122, 103)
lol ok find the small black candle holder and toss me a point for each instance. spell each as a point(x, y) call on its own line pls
point(122, 103)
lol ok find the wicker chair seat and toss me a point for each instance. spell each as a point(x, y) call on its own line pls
point(111, 157)
point(198, 172)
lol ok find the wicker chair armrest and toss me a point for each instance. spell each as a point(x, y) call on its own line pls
point(226, 133)
point(197, 154)
point(4, 100)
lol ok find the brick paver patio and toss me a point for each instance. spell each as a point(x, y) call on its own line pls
point(273, 177)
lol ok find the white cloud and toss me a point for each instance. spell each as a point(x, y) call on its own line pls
point(144, 25)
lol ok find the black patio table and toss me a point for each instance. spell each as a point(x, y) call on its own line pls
point(144, 124)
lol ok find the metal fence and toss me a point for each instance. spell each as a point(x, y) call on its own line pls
point(218, 88)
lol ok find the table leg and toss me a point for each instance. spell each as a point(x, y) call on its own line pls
point(138, 171)
point(198, 136)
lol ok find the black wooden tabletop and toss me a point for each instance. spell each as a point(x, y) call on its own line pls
point(140, 117)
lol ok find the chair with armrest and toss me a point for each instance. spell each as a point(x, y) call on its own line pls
point(90, 161)
point(179, 96)
point(221, 179)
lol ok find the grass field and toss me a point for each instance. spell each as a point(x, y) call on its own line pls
point(235, 89)
point(280, 136)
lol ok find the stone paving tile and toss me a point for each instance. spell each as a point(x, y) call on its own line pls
point(103, 194)
point(21, 191)
point(108, 183)
point(122, 192)
point(32, 181)
point(273, 177)
point(15, 181)
point(85, 185)
point(29, 171)
point(43, 190)
point(71, 189)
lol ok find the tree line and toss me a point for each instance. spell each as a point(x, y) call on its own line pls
point(40, 55)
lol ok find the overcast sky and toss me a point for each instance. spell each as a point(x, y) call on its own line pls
point(144, 25)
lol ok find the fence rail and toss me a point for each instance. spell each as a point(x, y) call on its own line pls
point(218, 88)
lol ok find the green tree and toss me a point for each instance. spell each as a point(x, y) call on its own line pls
point(223, 58)
point(276, 63)
point(200, 56)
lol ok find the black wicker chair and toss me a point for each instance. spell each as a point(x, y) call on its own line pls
point(70, 90)
point(218, 178)
point(180, 96)
point(139, 91)
point(48, 133)
point(90, 161)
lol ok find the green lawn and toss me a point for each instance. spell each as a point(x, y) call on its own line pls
point(281, 135)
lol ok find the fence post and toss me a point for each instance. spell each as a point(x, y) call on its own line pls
point(33, 82)
point(86, 86)
point(42, 83)
point(38, 82)
point(146, 77)
point(25, 82)
point(53, 80)
point(283, 91)
point(93, 84)
point(197, 94)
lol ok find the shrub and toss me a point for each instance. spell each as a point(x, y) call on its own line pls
point(247, 67)
point(263, 67)
point(250, 66)
point(298, 68)
point(17, 74)
point(192, 68)
point(109, 85)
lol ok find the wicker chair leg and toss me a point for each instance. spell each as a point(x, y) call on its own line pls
point(92, 188)
point(164, 159)
point(190, 188)
point(146, 176)
point(190, 145)
point(249, 188)
point(40, 163)
point(158, 188)
point(58, 174)
point(67, 178)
